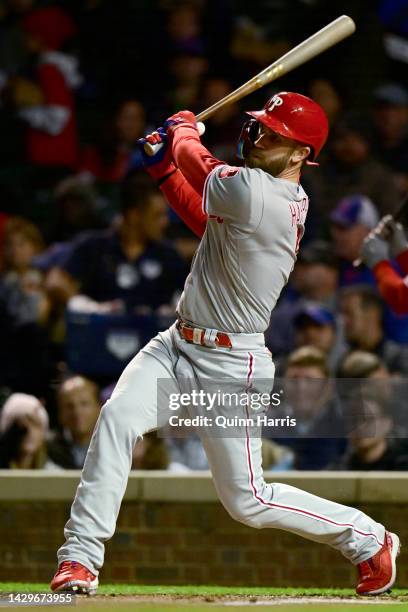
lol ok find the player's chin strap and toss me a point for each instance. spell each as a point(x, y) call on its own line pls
point(247, 138)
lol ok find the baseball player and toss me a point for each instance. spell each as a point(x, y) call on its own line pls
point(251, 220)
point(388, 241)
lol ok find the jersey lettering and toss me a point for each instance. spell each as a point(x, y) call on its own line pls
point(228, 172)
point(298, 211)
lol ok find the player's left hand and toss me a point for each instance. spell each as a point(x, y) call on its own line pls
point(161, 163)
point(374, 250)
point(159, 136)
point(182, 119)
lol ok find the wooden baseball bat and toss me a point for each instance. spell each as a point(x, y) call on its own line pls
point(325, 38)
point(398, 215)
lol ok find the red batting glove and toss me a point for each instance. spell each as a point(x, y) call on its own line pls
point(182, 119)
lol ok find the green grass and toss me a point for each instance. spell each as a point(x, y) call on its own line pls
point(189, 591)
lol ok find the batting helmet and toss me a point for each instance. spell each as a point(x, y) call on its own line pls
point(293, 116)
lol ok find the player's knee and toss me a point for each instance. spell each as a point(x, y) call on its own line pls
point(244, 511)
point(247, 519)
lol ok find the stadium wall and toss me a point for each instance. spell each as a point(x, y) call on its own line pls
point(173, 530)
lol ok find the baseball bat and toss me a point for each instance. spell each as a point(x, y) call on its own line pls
point(325, 38)
point(398, 215)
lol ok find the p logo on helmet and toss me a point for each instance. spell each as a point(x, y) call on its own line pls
point(275, 101)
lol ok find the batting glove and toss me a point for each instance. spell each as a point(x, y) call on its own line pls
point(374, 250)
point(160, 165)
point(394, 233)
point(181, 119)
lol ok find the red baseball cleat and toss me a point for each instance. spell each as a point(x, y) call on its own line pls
point(378, 573)
point(75, 578)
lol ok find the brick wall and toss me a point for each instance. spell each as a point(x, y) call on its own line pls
point(187, 542)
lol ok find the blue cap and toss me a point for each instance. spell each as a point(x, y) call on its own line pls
point(315, 314)
point(355, 210)
point(392, 94)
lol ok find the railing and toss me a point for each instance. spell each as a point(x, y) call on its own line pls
point(344, 487)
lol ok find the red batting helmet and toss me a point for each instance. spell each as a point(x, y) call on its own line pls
point(297, 117)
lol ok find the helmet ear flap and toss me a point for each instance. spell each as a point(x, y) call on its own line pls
point(249, 133)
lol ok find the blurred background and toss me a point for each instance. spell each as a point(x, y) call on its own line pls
point(91, 259)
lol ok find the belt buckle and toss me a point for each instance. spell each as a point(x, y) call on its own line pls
point(197, 335)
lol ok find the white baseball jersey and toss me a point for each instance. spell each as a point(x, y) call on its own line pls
point(244, 260)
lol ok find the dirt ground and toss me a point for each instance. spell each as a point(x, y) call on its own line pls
point(168, 603)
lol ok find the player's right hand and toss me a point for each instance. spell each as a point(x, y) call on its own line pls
point(161, 163)
point(374, 249)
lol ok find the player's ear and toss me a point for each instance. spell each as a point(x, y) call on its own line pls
point(300, 154)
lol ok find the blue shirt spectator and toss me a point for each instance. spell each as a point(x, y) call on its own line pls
point(130, 262)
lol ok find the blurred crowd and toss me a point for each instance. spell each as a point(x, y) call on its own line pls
point(92, 261)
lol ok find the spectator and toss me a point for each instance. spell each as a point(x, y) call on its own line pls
point(23, 428)
point(129, 263)
point(370, 373)
point(78, 411)
point(351, 221)
point(317, 273)
point(314, 281)
point(376, 253)
point(21, 287)
point(188, 68)
point(390, 113)
point(77, 210)
point(361, 364)
point(351, 168)
point(316, 326)
point(371, 442)
point(362, 311)
point(48, 107)
point(373, 379)
point(184, 26)
point(310, 400)
point(22, 241)
point(324, 93)
point(108, 160)
point(24, 311)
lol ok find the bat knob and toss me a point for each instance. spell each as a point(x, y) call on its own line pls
point(151, 150)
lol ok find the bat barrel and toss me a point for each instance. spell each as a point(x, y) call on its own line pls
point(322, 40)
point(327, 37)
